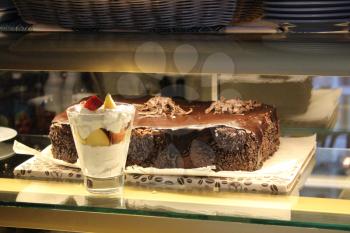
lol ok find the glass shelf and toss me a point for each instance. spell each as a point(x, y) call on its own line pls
point(304, 54)
point(321, 200)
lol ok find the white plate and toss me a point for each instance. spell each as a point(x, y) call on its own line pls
point(309, 15)
point(7, 133)
point(6, 151)
point(308, 21)
point(306, 9)
point(304, 3)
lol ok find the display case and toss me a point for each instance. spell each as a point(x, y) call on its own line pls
point(303, 186)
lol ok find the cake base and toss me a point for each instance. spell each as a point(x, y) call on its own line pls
point(226, 148)
point(62, 141)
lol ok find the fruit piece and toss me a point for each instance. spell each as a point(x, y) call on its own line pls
point(93, 103)
point(80, 139)
point(117, 137)
point(109, 102)
point(97, 138)
point(77, 135)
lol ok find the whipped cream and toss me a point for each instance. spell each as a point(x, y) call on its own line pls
point(114, 120)
point(104, 161)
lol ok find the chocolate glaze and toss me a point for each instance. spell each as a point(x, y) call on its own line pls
point(253, 120)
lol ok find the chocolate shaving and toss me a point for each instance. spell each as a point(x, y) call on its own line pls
point(160, 106)
point(232, 106)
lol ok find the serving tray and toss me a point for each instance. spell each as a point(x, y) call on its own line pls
point(279, 174)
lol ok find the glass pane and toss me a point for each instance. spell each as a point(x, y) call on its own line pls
point(296, 185)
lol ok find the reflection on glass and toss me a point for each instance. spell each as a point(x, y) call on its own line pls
point(309, 108)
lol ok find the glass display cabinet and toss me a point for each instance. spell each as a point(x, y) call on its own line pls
point(303, 186)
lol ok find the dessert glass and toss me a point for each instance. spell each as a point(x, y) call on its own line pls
point(102, 140)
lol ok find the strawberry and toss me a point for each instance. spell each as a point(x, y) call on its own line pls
point(93, 103)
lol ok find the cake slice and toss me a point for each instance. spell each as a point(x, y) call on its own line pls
point(228, 134)
point(62, 142)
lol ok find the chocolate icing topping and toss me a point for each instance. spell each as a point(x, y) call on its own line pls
point(160, 106)
point(232, 106)
point(251, 118)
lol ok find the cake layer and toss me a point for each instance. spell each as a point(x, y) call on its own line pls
point(227, 134)
point(62, 142)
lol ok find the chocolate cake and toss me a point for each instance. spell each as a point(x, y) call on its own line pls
point(228, 134)
point(62, 142)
